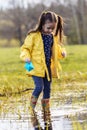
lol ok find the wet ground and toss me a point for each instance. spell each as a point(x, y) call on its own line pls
point(68, 111)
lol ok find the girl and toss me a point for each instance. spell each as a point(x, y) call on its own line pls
point(42, 47)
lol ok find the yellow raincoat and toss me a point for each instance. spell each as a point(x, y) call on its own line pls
point(34, 50)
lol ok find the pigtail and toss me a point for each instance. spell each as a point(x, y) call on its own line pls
point(38, 26)
point(46, 15)
point(59, 28)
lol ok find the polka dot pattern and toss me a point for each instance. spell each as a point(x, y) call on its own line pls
point(48, 42)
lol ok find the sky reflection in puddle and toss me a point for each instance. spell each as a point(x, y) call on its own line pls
point(68, 111)
point(61, 118)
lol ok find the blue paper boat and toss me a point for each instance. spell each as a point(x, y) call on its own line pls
point(29, 66)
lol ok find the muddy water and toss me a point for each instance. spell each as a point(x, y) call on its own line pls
point(68, 111)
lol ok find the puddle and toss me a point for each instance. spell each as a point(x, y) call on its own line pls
point(68, 111)
point(61, 118)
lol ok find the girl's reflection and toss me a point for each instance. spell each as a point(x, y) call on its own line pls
point(47, 120)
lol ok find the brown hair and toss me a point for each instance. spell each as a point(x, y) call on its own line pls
point(59, 28)
point(42, 19)
point(52, 17)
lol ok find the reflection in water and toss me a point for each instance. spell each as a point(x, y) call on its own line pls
point(79, 122)
point(35, 122)
point(61, 118)
point(46, 120)
point(68, 111)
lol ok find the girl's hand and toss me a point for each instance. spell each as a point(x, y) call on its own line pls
point(63, 54)
point(27, 60)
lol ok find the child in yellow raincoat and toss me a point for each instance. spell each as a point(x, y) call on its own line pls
point(42, 48)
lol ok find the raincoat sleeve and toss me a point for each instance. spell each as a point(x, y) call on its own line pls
point(60, 51)
point(27, 48)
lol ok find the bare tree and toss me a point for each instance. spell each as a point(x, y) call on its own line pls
point(76, 21)
point(82, 19)
point(17, 20)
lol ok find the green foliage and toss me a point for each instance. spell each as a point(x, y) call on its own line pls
point(76, 59)
point(13, 78)
point(9, 43)
point(16, 21)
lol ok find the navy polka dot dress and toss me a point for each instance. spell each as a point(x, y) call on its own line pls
point(48, 42)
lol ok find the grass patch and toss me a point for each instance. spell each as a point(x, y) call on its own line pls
point(13, 77)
